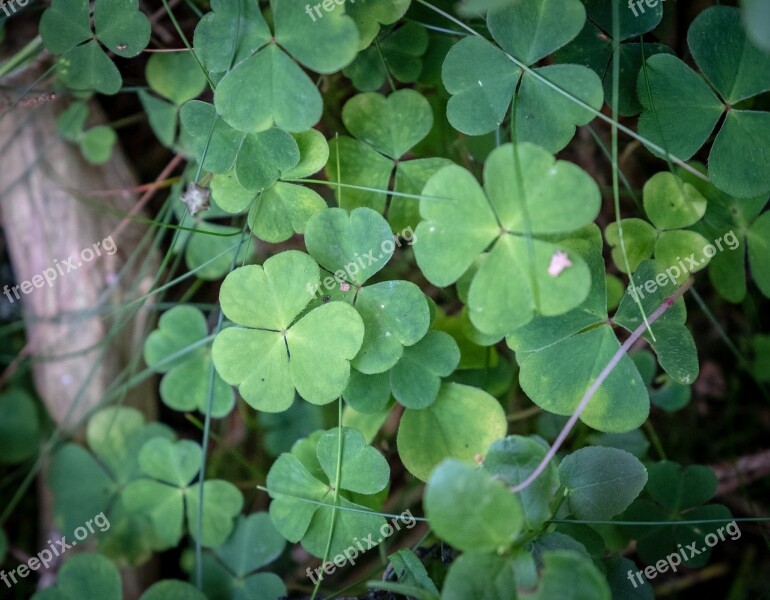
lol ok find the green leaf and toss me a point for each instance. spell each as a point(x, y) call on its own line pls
point(416, 377)
point(532, 29)
point(87, 67)
point(70, 123)
point(354, 163)
point(639, 239)
point(352, 245)
point(482, 81)
point(97, 144)
point(369, 16)
point(363, 469)
point(685, 111)
point(480, 575)
point(268, 89)
point(314, 154)
point(634, 20)
point(756, 19)
point(549, 119)
point(172, 590)
point(264, 157)
point(85, 577)
point(175, 76)
point(395, 314)
point(392, 124)
point(671, 203)
point(740, 156)
point(253, 543)
point(601, 482)
point(515, 458)
point(65, 24)
point(470, 509)
point(461, 423)
point(729, 60)
point(410, 571)
point(240, 23)
point(283, 210)
point(291, 485)
point(324, 45)
point(204, 132)
point(411, 177)
point(20, 427)
point(173, 463)
point(222, 502)
point(121, 27)
point(367, 394)
point(620, 404)
point(567, 574)
point(271, 355)
point(162, 117)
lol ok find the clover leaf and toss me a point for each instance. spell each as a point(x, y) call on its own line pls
point(300, 480)
point(85, 576)
point(471, 509)
point(516, 280)
point(385, 129)
point(96, 143)
point(259, 68)
point(273, 353)
point(668, 88)
point(368, 16)
point(175, 350)
point(671, 204)
point(461, 423)
point(354, 246)
point(675, 494)
point(593, 48)
point(482, 79)
point(82, 64)
point(229, 572)
point(86, 483)
point(167, 493)
point(622, 402)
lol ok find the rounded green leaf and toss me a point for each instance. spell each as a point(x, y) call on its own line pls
point(461, 423)
point(392, 124)
point(175, 76)
point(283, 210)
point(368, 17)
point(240, 22)
point(65, 24)
point(353, 245)
point(207, 138)
point(756, 20)
point(568, 574)
point(85, 577)
point(729, 60)
point(97, 144)
point(470, 509)
point(314, 154)
point(87, 67)
point(355, 163)
point(671, 203)
point(363, 469)
point(416, 377)
point(682, 248)
point(481, 80)
point(263, 157)
point(532, 29)
point(480, 575)
point(639, 239)
point(395, 314)
point(254, 543)
point(175, 463)
point(739, 162)
point(268, 89)
point(324, 44)
point(222, 502)
point(601, 482)
point(368, 394)
point(121, 26)
point(685, 109)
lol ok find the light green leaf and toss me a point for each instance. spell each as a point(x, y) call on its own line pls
point(263, 157)
point(639, 239)
point(601, 482)
point(253, 543)
point(65, 24)
point(368, 16)
point(97, 144)
point(121, 27)
point(283, 210)
point(461, 423)
point(87, 67)
point(354, 163)
point(470, 509)
point(363, 469)
point(205, 132)
point(175, 76)
point(222, 502)
point(480, 575)
point(671, 203)
point(174, 463)
point(416, 377)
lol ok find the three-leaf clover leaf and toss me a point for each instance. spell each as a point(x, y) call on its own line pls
point(176, 350)
point(263, 86)
point(355, 246)
point(274, 351)
point(516, 279)
point(676, 494)
point(230, 570)
point(668, 88)
point(95, 143)
point(304, 487)
point(82, 64)
point(483, 80)
point(384, 129)
point(166, 493)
